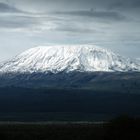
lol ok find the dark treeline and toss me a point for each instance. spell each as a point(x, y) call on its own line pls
point(118, 129)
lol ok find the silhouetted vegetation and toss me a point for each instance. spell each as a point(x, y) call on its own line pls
point(118, 129)
point(124, 128)
point(69, 105)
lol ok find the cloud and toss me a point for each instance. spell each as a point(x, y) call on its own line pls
point(5, 8)
point(37, 22)
point(75, 29)
point(15, 22)
point(109, 15)
point(29, 22)
point(122, 4)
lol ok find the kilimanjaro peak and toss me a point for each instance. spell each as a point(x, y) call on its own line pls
point(55, 59)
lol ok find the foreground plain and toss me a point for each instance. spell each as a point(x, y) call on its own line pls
point(118, 129)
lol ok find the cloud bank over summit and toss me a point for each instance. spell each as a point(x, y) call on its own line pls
point(113, 24)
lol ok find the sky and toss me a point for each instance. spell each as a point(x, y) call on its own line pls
point(111, 24)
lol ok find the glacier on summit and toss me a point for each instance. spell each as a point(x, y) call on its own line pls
point(67, 58)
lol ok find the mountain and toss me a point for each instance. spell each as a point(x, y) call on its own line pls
point(79, 66)
point(55, 59)
point(56, 83)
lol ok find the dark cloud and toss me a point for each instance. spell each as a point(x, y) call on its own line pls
point(14, 22)
point(83, 4)
point(75, 29)
point(125, 4)
point(73, 4)
point(30, 22)
point(94, 14)
point(7, 8)
point(109, 23)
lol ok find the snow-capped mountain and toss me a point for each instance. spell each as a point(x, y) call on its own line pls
point(66, 58)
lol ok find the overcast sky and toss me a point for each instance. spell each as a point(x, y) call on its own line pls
point(111, 24)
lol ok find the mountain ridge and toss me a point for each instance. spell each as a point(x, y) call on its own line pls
point(55, 59)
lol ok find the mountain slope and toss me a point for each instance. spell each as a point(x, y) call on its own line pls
point(55, 59)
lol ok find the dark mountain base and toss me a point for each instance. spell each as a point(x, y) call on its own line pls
point(122, 82)
point(74, 96)
point(20, 104)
